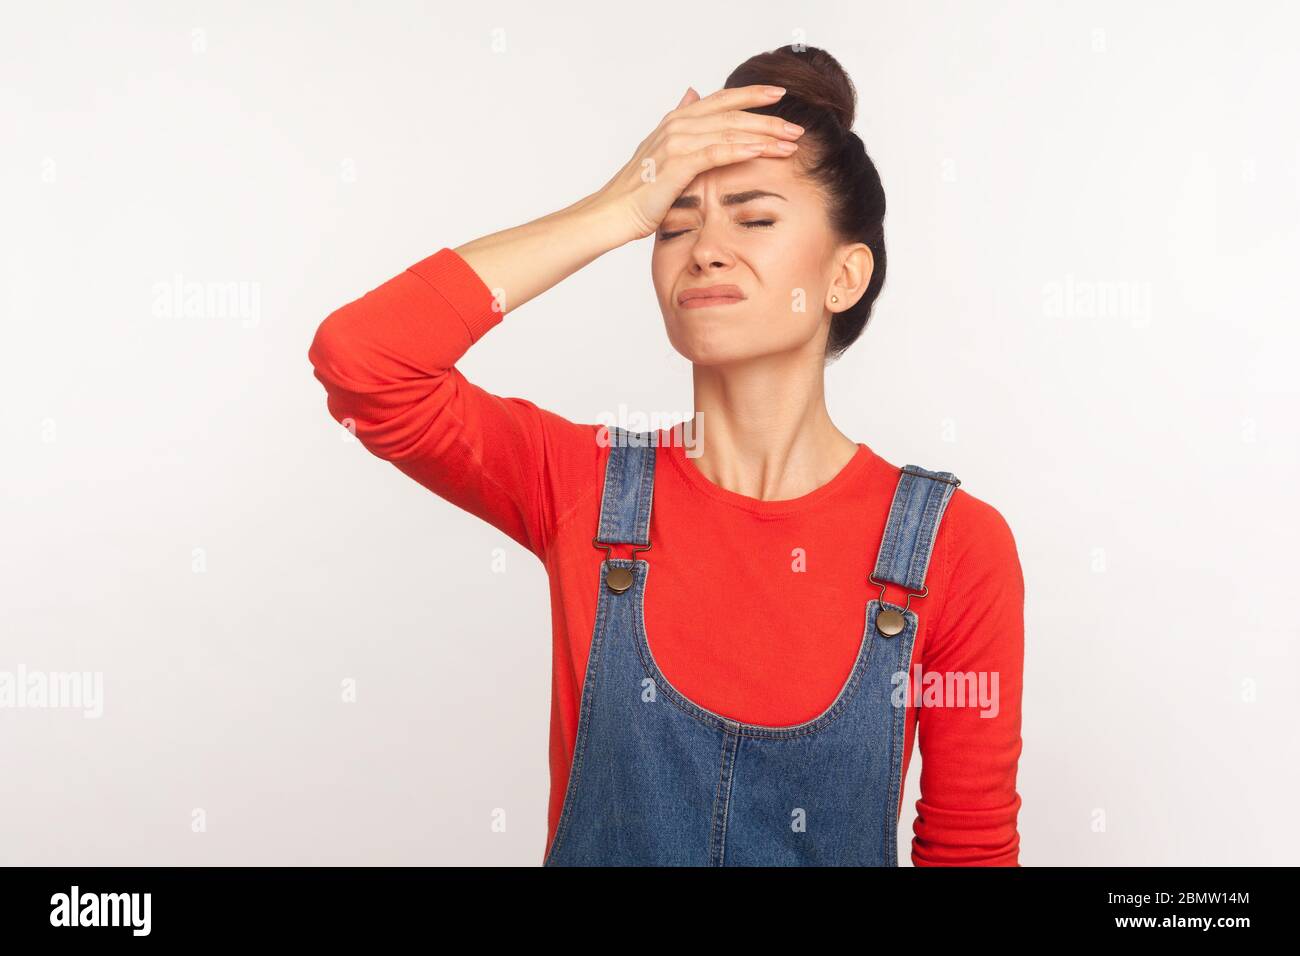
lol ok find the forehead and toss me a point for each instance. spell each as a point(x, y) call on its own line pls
point(738, 180)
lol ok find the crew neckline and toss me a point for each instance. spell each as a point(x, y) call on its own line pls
point(696, 479)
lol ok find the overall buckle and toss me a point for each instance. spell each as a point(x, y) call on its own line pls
point(889, 621)
point(618, 579)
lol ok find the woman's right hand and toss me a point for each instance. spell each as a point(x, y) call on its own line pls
point(524, 261)
point(698, 134)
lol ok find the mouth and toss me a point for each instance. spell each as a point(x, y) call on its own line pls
point(711, 296)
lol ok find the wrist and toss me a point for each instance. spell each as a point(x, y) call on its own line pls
point(605, 223)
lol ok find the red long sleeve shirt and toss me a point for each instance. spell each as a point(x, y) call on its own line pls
point(743, 623)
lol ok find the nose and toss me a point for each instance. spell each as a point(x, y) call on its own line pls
point(710, 249)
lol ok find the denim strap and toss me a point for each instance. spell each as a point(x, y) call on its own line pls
point(918, 506)
point(629, 488)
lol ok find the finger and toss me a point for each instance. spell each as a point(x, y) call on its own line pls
point(725, 154)
point(685, 144)
point(734, 98)
point(690, 96)
point(739, 120)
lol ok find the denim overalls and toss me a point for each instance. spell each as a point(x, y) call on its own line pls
point(658, 781)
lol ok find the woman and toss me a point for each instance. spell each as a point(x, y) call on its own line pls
point(815, 607)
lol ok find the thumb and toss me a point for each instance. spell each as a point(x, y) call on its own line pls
point(690, 96)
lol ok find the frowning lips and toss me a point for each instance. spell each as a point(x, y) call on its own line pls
point(732, 292)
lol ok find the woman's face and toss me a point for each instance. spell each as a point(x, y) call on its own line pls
point(776, 249)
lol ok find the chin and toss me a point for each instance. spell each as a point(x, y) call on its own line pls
point(713, 343)
point(713, 349)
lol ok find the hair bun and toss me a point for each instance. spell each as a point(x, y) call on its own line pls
point(809, 74)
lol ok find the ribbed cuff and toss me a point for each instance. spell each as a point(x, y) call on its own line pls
point(453, 279)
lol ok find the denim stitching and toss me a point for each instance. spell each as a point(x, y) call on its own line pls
point(920, 556)
point(726, 803)
point(726, 774)
point(584, 717)
point(898, 729)
point(924, 549)
point(889, 545)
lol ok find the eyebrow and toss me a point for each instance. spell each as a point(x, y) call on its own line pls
point(730, 199)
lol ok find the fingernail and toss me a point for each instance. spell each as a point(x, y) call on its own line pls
point(775, 90)
point(793, 128)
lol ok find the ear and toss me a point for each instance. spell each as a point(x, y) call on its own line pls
point(854, 277)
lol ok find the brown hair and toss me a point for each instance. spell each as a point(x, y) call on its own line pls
point(820, 97)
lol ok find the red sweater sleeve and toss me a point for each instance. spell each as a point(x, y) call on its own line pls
point(969, 805)
point(387, 361)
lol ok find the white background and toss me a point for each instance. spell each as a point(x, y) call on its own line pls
point(1145, 456)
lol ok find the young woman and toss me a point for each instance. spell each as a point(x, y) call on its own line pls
point(815, 607)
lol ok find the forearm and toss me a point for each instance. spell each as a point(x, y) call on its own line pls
point(521, 263)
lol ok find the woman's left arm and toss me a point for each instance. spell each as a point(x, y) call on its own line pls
point(970, 749)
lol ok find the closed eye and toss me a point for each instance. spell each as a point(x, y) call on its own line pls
point(748, 224)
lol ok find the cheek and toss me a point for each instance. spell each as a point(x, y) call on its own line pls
point(662, 275)
point(787, 323)
point(790, 290)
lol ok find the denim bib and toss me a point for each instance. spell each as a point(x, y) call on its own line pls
point(657, 780)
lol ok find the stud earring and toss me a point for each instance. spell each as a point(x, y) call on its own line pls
point(835, 298)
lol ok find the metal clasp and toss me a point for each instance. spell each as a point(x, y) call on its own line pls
point(609, 547)
point(618, 580)
point(907, 603)
point(888, 621)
